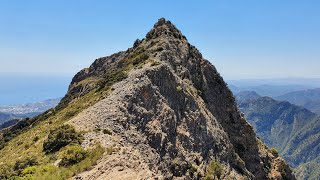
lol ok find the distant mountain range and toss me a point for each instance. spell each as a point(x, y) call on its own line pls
point(307, 83)
point(309, 99)
point(9, 123)
point(4, 117)
point(268, 89)
point(244, 95)
point(293, 130)
point(21, 111)
point(301, 95)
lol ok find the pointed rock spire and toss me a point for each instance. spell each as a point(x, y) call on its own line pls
point(164, 28)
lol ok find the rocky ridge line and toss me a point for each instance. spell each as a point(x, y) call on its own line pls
point(170, 117)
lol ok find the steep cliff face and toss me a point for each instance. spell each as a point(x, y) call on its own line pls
point(170, 116)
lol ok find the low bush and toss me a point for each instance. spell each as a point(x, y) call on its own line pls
point(49, 171)
point(35, 139)
point(6, 171)
point(136, 58)
point(97, 130)
point(20, 165)
point(110, 150)
point(214, 170)
point(74, 161)
point(154, 62)
point(72, 155)
point(106, 131)
point(110, 77)
point(140, 58)
point(179, 89)
point(29, 170)
point(61, 137)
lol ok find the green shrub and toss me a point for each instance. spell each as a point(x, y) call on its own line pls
point(135, 59)
point(214, 170)
point(27, 146)
point(49, 171)
point(29, 170)
point(140, 58)
point(154, 62)
point(35, 139)
point(20, 165)
point(136, 43)
point(97, 130)
point(72, 155)
point(112, 76)
point(179, 89)
point(110, 150)
point(159, 49)
point(71, 113)
point(61, 137)
point(6, 171)
point(106, 131)
point(90, 160)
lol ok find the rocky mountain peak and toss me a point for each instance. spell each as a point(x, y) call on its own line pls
point(170, 99)
point(164, 28)
point(162, 22)
point(167, 114)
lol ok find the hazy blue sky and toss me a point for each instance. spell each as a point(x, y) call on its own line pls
point(243, 39)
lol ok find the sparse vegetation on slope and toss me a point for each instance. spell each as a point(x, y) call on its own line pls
point(72, 154)
point(29, 137)
point(60, 137)
point(71, 164)
point(24, 146)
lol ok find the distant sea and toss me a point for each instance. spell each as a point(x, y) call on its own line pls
point(22, 88)
point(27, 88)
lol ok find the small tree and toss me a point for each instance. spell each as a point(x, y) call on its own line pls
point(136, 43)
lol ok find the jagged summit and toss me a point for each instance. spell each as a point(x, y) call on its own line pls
point(164, 41)
point(167, 114)
point(166, 29)
point(162, 21)
point(177, 104)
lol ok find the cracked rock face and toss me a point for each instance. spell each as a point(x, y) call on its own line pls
point(170, 119)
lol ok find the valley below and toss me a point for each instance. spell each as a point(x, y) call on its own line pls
point(292, 130)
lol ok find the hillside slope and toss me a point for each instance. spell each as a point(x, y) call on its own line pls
point(291, 129)
point(159, 109)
